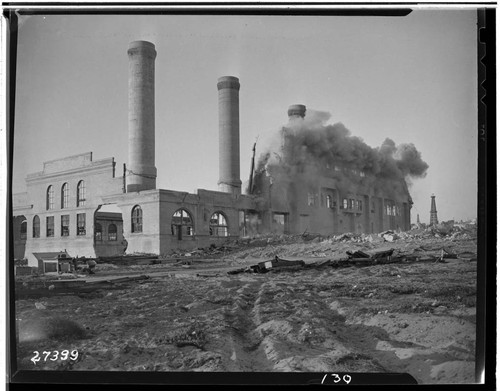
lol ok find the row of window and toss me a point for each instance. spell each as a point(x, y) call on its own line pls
point(112, 232)
point(347, 203)
point(50, 226)
point(352, 204)
point(182, 225)
point(392, 210)
point(65, 191)
point(312, 200)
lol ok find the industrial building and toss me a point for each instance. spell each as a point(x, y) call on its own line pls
point(91, 207)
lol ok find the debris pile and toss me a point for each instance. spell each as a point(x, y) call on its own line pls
point(274, 265)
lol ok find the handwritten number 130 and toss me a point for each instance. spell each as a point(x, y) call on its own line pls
point(337, 378)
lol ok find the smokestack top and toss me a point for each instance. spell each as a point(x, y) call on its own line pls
point(296, 111)
point(228, 82)
point(143, 46)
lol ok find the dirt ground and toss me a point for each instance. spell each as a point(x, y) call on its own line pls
point(414, 317)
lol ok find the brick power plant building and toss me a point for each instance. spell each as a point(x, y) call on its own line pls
point(87, 207)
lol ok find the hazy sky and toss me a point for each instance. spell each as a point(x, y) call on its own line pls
point(412, 79)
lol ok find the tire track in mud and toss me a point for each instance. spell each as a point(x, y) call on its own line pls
point(277, 326)
point(244, 340)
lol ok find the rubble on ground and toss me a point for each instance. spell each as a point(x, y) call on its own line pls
point(388, 302)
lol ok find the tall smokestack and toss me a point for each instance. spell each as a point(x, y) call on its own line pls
point(296, 111)
point(434, 213)
point(141, 174)
point(229, 135)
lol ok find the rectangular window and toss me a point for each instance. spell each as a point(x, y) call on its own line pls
point(65, 225)
point(351, 203)
point(329, 202)
point(80, 224)
point(344, 203)
point(391, 209)
point(50, 226)
point(359, 205)
point(112, 232)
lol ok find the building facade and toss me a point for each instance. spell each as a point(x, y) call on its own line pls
point(83, 207)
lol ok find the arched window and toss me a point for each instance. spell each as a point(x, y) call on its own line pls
point(137, 219)
point(80, 194)
point(182, 224)
point(64, 196)
point(98, 232)
point(36, 226)
point(50, 197)
point(112, 232)
point(24, 230)
point(218, 225)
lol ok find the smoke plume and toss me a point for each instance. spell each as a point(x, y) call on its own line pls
point(312, 147)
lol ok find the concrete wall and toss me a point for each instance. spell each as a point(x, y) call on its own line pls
point(148, 240)
point(158, 208)
point(99, 178)
point(304, 203)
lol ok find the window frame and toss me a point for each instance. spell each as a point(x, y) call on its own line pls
point(49, 224)
point(98, 230)
point(36, 226)
point(23, 233)
point(80, 194)
point(81, 229)
point(214, 228)
point(136, 219)
point(65, 232)
point(49, 198)
point(65, 195)
point(185, 228)
point(329, 201)
point(110, 232)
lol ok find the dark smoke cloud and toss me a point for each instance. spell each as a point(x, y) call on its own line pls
point(309, 146)
point(410, 161)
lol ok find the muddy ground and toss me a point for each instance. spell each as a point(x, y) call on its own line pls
point(414, 317)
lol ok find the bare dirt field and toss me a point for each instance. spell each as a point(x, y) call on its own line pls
point(415, 317)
